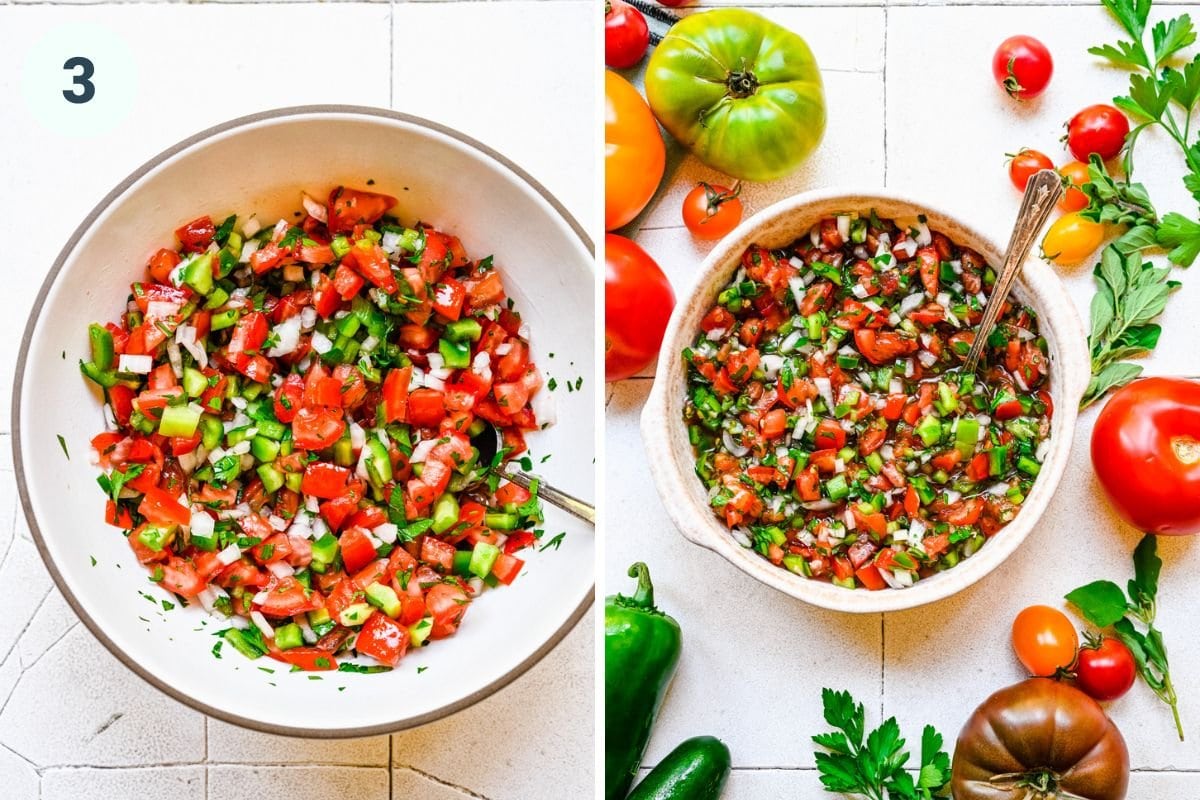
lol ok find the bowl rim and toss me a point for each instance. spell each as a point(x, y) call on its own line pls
point(276, 114)
point(674, 479)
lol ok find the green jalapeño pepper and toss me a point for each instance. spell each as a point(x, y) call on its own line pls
point(641, 651)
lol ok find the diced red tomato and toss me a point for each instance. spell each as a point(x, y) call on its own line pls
point(357, 550)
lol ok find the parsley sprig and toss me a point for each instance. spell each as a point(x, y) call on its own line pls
point(1105, 605)
point(875, 769)
point(1130, 294)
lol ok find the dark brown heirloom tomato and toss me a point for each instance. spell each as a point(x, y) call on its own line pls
point(1041, 740)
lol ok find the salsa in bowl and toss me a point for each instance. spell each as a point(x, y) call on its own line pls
point(248, 167)
point(813, 424)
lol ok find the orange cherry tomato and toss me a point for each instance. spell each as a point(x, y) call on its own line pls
point(1045, 640)
point(1075, 175)
point(711, 211)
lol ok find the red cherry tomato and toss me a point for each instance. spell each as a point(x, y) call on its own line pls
point(1146, 453)
point(1075, 174)
point(637, 304)
point(1105, 669)
point(1099, 129)
point(711, 211)
point(1022, 66)
point(671, 3)
point(1023, 166)
point(626, 35)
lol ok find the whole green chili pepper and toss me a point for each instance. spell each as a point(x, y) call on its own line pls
point(641, 651)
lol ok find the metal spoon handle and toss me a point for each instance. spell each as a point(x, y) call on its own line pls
point(1041, 193)
point(569, 503)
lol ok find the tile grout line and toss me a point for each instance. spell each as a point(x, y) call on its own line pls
point(391, 776)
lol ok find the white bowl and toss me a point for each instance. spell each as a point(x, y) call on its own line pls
point(665, 436)
point(260, 164)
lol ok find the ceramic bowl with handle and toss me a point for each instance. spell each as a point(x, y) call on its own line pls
point(670, 454)
point(260, 165)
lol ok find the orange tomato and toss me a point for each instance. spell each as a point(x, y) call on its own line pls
point(1076, 173)
point(634, 154)
point(1045, 640)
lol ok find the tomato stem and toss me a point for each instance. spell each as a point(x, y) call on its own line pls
point(742, 83)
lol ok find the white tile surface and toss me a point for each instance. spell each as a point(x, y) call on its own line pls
point(156, 747)
point(361, 783)
point(947, 130)
point(177, 783)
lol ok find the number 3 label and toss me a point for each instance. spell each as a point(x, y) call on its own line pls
point(82, 89)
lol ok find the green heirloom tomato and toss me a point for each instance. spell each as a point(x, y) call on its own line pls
point(742, 93)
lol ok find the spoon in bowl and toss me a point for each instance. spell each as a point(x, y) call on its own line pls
point(1041, 193)
point(488, 442)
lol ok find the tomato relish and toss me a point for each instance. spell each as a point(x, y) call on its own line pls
point(829, 416)
point(290, 413)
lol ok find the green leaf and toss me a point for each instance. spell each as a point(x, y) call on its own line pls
point(1102, 603)
point(1112, 376)
point(1191, 182)
point(1151, 96)
point(1131, 107)
point(1111, 271)
point(1122, 54)
point(1139, 340)
point(1139, 237)
point(1102, 313)
point(1184, 83)
point(839, 773)
point(1145, 303)
point(1146, 568)
point(832, 741)
point(1181, 236)
point(885, 750)
point(1132, 14)
point(1171, 36)
point(843, 713)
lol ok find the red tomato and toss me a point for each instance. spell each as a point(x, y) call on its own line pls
point(711, 211)
point(1022, 66)
point(1105, 669)
point(447, 604)
point(316, 429)
point(1074, 174)
point(1045, 640)
point(426, 408)
point(626, 35)
point(287, 398)
point(383, 639)
point(196, 235)
point(357, 550)
point(637, 304)
point(881, 347)
point(350, 207)
point(1023, 165)
point(289, 598)
point(162, 508)
point(180, 577)
point(323, 480)
point(829, 435)
point(1153, 423)
point(1099, 129)
point(162, 264)
point(370, 261)
point(309, 659)
point(395, 394)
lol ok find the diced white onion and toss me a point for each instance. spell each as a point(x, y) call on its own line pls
point(848, 516)
point(843, 226)
point(771, 364)
point(924, 237)
point(1043, 450)
point(797, 287)
point(288, 333)
point(825, 388)
point(249, 248)
point(281, 569)
point(261, 623)
point(201, 524)
point(860, 291)
point(908, 247)
point(229, 555)
point(904, 578)
point(735, 448)
point(315, 210)
point(911, 303)
point(321, 343)
point(140, 365)
point(385, 532)
point(926, 358)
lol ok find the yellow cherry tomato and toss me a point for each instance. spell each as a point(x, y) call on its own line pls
point(1071, 239)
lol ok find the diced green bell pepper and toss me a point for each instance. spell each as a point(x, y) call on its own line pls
point(501, 521)
point(930, 430)
point(103, 354)
point(324, 551)
point(156, 537)
point(223, 319)
point(464, 330)
point(419, 631)
point(272, 478)
point(378, 464)
point(355, 614)
point(264, 449)
point(456, 355)
point(837, 488)
point(195, 382)
point(198, 274)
